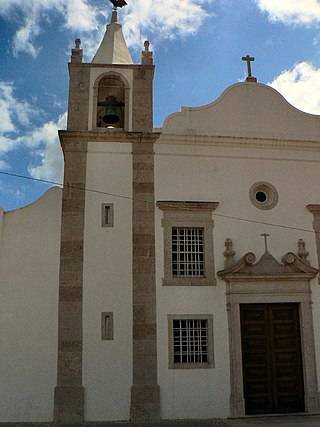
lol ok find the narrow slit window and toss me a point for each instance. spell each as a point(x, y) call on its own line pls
point(107, 326)
point(107, 215)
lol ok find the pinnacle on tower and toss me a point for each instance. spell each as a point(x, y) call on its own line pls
point(113, 48)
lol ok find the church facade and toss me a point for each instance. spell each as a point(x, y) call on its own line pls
point(175, 276)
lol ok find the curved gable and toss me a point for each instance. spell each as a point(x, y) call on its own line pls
point(246, 110)
point(50, 200)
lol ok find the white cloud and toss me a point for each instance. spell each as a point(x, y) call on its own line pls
point(78, 15)
point(300, 86)
point(48, 149)
point(6, 124)
point(4, 165)
point(157, 18)
point(22, 40)
point(291, 11)
point(8, 144)
point(12, 110)
point(42, 142)
point(161, 20)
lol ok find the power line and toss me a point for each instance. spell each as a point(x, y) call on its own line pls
point(147, 201)
point(264, 223)
point(15, 175)
point(61, 185)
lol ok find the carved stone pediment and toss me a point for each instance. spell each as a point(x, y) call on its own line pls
point(291, 268)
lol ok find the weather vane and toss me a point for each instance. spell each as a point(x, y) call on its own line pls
point(118, 3)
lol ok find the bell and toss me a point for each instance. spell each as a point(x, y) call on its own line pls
point(111, 117)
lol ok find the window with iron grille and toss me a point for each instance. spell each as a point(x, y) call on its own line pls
point(190, 341)
point(188, 243)
point(187, 251)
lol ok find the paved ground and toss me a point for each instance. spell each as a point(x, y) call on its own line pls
point(282, 421)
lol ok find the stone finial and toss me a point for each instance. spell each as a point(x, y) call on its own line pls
point(77, 53)
point(228, 253)
point(302, 252)
point(114, 16)
point(146, 46)
point(146, 55)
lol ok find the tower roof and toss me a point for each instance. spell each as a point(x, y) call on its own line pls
point(113, 48)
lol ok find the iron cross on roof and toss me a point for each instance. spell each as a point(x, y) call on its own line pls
point(265, 235)
point(249, 59)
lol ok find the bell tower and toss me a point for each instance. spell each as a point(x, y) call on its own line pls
point(109, 114)
point(111, 92)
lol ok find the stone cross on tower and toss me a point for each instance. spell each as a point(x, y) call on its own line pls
point(249, 59)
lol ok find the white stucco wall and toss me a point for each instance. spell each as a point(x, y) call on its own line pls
point(192, 167)
point(29, 282)
point(107, 366)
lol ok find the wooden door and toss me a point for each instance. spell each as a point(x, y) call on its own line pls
point(271, 358)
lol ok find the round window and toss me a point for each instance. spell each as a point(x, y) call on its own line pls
point(263, 195)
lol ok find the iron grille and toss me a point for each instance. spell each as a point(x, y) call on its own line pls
point(190, 341)
point(187, 252)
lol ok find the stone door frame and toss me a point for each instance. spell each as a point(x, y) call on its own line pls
point(245, 290)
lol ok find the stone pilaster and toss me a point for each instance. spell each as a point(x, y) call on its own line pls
point(78, 103)
point(69, 396)
point(315, 210)
point(145, 396)
point(236, 399)
point(1, 221)
point(1, 229)
point(312, 399)
point(142, 98)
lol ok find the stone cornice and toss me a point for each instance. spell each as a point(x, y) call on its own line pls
point(294, 277)
point(111, 66)
point(78, 137)
point(236, 141)
point(314, 208)
point(189, 206)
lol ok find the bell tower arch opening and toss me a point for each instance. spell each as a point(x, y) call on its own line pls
point(110, 102)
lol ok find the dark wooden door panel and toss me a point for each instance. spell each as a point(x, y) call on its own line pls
point(271, 354)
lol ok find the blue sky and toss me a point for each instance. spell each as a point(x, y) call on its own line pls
point(197, 44)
